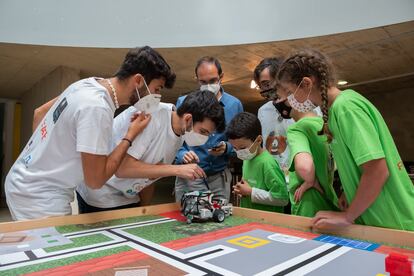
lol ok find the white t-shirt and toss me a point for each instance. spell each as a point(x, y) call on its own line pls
point(269, 118)
point(42, 180)
point(156, 144)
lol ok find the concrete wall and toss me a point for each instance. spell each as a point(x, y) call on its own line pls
point(46, 89)
point(397, 109)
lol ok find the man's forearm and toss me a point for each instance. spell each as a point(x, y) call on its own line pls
point(132, 168)
point(40, 113)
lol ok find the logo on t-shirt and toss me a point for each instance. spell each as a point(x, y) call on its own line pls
point(43, 129)
point(59, 109)
point(400, 165)
point(27, 160)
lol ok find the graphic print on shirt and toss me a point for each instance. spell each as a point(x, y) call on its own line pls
point(59, 109)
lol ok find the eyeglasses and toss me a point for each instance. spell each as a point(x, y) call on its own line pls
point(268, 93)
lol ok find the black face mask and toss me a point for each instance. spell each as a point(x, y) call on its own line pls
point(283, 109)
point(269, 94)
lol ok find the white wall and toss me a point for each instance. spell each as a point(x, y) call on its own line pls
point(185, 23)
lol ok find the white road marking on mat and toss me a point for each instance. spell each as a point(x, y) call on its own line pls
point(122, 225)
point(13, 257)
point(114, 239)
point(280, 267)
point(61, 256)
point(202, 260)
point(191, 270)
point(319, 262)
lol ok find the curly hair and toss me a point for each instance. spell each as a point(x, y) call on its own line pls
point(147, 62)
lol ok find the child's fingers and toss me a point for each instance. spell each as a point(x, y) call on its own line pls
point(321, 223)
point(298, 194)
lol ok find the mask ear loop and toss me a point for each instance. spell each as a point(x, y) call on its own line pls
point(253, 143)
point(136, 89)
point(310, 90)
point(146, 86)
point(298, 88)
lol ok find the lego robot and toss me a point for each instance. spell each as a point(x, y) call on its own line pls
point(199, 206)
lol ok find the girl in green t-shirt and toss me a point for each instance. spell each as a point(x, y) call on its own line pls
point(263, 184)
point(377, 187)
point(311, 166)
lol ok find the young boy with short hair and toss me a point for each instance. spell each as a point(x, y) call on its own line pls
point(263, 184)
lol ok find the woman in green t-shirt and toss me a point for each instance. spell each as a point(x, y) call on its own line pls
point(377, 187)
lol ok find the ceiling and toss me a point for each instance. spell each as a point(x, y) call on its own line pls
point(373, 60)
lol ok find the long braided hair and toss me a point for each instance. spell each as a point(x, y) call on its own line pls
point(310, 63)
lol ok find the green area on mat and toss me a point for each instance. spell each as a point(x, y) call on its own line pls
point(46, 236)
point(80, 241)
point(81, 227)
point(52, 241)
point(65, 261)
point(169, 231)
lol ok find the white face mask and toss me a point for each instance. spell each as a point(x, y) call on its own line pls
point(306, 106)
point(149, 103)
point(214, 88)
point(194, 139)
point(246, 154)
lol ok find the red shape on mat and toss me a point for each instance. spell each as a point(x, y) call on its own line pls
point(174, 215)
point(386, 250)
point(82, 268)
point(398, 265)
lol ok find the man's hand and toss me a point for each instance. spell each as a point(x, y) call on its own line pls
point(220, 149)
point(190, 171)
point(190, 157)
point(306, 186)
point(329, 220)
point(242, 188)
point(138, 123)
point(342, 202)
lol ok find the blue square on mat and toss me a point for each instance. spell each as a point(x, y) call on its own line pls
point(348, 242)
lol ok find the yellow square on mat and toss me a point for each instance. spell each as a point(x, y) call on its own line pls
point(248, 242)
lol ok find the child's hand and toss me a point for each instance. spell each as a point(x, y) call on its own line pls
point(190, 157)
point(219, 149)
point(242, 188)
point(329, 220)
point(306, 186)
point(342, 203)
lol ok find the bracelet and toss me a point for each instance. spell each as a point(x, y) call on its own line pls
point(129, 141)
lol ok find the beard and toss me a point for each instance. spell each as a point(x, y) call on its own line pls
point(133, 99)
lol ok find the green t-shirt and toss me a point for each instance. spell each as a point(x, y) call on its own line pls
point(303, 137)
point(360, 135)
point(263, 172)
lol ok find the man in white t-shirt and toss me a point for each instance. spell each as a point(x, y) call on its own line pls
point(274, 125)
point(273, 115)
point(72, 141)
point(153, 151)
